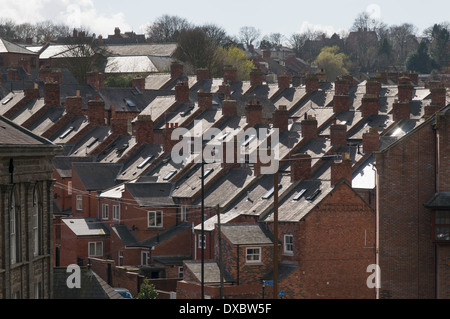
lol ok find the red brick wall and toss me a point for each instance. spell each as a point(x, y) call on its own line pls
point(406, 180)
point(443, 271)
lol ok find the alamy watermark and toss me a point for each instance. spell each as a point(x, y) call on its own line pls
point(234, 146)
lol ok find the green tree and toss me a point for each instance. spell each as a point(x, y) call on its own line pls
point(147, 291)
point(419, 60)
point(235, 57)
point(332, 61)
point(441, 45)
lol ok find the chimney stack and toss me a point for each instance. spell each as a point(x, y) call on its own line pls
point(373, 87)
point(342, 170)
point(182, 92)
point(370, 105)
point(229, 108)
point(202, 74)
point(341, 86)
point(338, 135)
point(254, 113)
point(300, 167)
point(229, 74)
point(176, 70)
point(284, 81)
point(96, 112)
point(266, 53)
point(256, 77)
point(401, 111)
point(281, 118)
point(309, 127)
point(296, 81)
point(312, 83)
point(95, 79)
point(139, 82)
point(225, 89)
point(371, 141)
point(142, 128)
point(119, 126)
point(204, 100)
point(341, 103)
point(438, 95)
point(52, 95)
point(74, 105)
point(405, 89)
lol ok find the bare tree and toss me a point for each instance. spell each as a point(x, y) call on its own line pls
point(248, 35)
point(403, 40)
point(167, 28)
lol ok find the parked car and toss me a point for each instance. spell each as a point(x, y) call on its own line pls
point(124, 293)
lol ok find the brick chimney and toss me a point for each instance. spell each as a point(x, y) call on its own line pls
point(342, 170)
point(253, 113)
point(74, 105)
point(256, 77)
point(52, 94)
point(405, 89)
point(296, 81)
point(96, 112)
point(312, 83)
point(281, 118)
point(139, 82)
point(369, 105)
point(202, 74)
point(229, 108)
point(229, 74)
point(284, 81)
point(266, 53)
point(176, 70)
point(438, 95)
point(32, 93)
point(341, 103)
point(95, 79)
point(182, 92)
point(142, 128)
point(300, 167)
point(371, 141)
point(167, 132)
point(225, 89)
point(373, 87)
point(50, 75)
point(341, 86)
point(338, 135)
point(204, 100)
point(119, 126)
point(309, 127)
point(228, 160)
point(401, 111)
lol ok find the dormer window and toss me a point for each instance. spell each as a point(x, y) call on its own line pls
point(442, 225)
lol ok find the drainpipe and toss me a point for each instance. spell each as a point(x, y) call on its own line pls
point(377, 232)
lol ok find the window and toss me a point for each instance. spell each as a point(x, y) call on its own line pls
point(105, 211)
point(202, 241)
point(253, 255)
point(288, 244)
point(180, 272)
point(145, 258)
point(69, 188)
point(116, 212)
point(169, 175)
point(183, 213)
point(120, 258)
point(79, 202)
point(155, 219)
point(95, 249)
point(442, 225)
point(36, 223)
point(13, 230)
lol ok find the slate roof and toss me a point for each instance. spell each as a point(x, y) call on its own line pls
point(247, 234)
point(8, 47)
point(151, 194)
point(13, 134)
point(161, 50)
point(211, 271)
point(63, 164)
point(97, 176)
point(92, 286)
point(440, 200)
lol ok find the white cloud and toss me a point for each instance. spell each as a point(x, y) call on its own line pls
point(78, 13)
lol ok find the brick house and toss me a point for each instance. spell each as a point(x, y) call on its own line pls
point(26, 223)
point(13, 55)
point(412, 183)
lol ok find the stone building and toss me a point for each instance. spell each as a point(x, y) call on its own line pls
point(26, 213)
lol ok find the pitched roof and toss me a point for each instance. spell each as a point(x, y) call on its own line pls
point(63, 164)
point(151, 194)
point(97, 176)
point(13, 134)
point(246, 234)
point(211, 271)
point(86, 226)
point(8, 47)
point(166, 50)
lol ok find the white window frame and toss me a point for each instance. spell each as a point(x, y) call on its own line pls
point(69, 188)
point(120, 259)
point(145, 258)
point(289, 244)
point(155, 214)
point(12, 231)
point(79, 203)
point(105, 211)
point(35, 224)
point(183, 213)
point(98, 245)
point(202, 240)
point(253, 255)
point(116, 212)
point(180, 272)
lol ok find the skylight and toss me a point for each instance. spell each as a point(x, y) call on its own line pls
point(207, 172)
point(92, 142)
point(314, 195)
point(145, 161)
point(299, 195)
point(67, 132)
point(7, 101)
point(249, 139)
point(169, 175)
point(270, 192)
point(129, 102)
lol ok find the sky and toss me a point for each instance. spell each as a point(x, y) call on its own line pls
point(269, 16)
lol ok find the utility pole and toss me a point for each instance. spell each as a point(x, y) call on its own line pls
point(275, 235)
point(220, 252)
point(203, 231)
